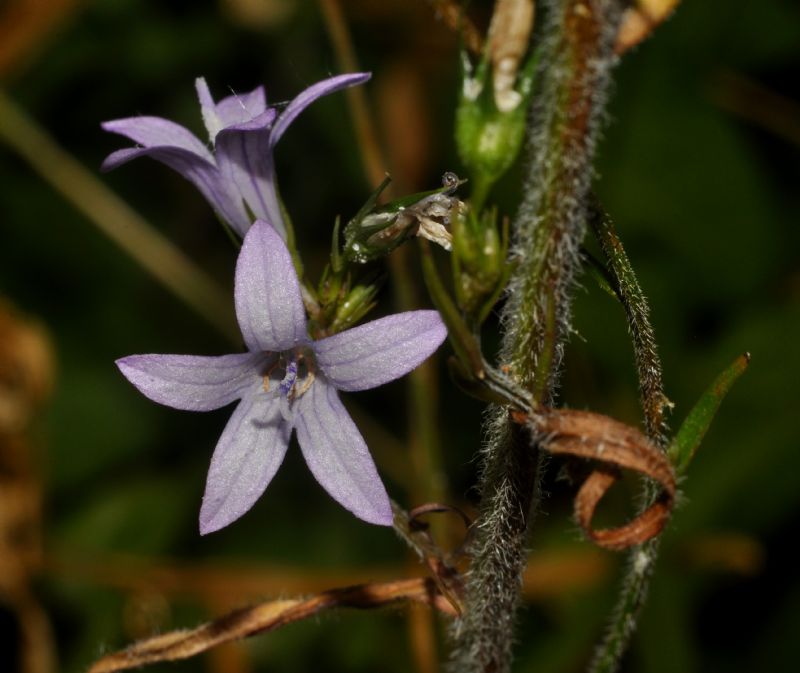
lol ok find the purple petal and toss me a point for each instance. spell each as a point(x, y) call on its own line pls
point(232, 110)
point(267, 293)
point(337, 454)
point(244, 157)
point(222, 195)
point(249, 452)
point(193, 382)
point(304, 99)
point(382, 350)
point(158, 132)
point(240, 108)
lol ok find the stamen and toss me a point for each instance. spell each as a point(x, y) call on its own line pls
point(268, 373)
point(307, 381)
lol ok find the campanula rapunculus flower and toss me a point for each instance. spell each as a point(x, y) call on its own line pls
point(239, 169)
point(287, 381)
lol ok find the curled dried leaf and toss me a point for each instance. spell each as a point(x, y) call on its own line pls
point(615, 446)
point(268, 616)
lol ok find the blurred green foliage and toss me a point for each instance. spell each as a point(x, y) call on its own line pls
point(705, 200)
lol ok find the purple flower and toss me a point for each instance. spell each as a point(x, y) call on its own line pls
point(286, 381)
point(243, 132)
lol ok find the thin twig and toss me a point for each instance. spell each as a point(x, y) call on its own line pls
point(366, 133)
point(266, 617)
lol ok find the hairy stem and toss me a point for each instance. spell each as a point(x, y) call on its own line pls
point(549, 228)
point(642, 558)
point(627, 288)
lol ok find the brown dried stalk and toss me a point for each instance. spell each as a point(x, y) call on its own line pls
point(616, 446)
point(266, 617)
point(452, 14)
point(640, 20)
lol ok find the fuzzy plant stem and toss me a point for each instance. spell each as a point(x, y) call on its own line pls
point(645, 352)
point(548, 230)
point(642, 558)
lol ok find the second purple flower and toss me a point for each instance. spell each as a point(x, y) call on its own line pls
point(237, 176)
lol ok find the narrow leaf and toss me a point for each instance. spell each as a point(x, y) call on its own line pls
point(694, 427)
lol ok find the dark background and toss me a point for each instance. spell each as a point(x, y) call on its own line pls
point(699, 167)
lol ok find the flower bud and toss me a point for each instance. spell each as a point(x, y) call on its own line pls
point(375, 232)
point(490, 127)
point(479, 267)
point(359, 301)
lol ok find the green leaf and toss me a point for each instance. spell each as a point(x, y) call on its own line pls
point(694, 427)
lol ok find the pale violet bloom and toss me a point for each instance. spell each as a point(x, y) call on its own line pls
point(239, 169)
point(287, 382)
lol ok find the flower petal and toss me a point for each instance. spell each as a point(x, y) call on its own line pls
point(158, 132)
point(223, 196)
point(337, 455)
point(244, 157)
point(193, 382)
point(382, 350)
point(208, 108)
point(242, 107)
point(305, 98)
point(267, 293)
point(249, 452)
point(232, 110)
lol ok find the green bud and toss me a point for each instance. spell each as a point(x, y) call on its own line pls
point(375, 232)
point(359, 301)
point(480, 270)
point(489, 135)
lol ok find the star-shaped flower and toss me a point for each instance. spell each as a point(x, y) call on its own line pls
point(243, 132)
point(287, 381)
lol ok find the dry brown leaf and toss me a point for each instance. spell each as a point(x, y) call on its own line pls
point(615, 446)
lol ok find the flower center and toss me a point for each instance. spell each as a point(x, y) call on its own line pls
point(293, 372)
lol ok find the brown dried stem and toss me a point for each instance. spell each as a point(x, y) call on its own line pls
point(453, 16)
point(266, 617)
point(640, 20)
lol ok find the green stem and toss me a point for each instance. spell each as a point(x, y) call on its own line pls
point(627, 288)
point(578, 57)
point(642, 558)
point(641, 562)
